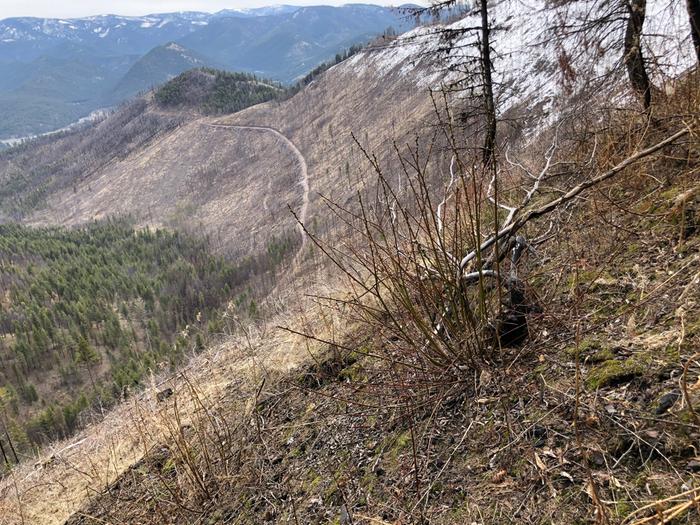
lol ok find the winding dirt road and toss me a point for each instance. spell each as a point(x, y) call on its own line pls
point(304, 179)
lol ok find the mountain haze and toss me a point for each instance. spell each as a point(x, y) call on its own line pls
point(55, 71)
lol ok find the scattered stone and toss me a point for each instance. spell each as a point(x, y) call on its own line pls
point(652, 434)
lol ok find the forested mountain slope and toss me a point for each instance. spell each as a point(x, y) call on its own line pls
point(86, 313)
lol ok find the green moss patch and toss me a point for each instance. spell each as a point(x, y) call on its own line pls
point(614, 372)
point(591, 351)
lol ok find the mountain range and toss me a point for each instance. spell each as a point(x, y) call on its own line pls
point(54, 71)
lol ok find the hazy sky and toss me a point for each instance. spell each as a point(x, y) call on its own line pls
point(78, 8)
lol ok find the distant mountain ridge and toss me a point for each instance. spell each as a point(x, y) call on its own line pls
point(53, 71)
point(159, 65)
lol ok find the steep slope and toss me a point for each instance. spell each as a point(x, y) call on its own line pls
point(198, 176)
point(32, 171)
point(126, 299)
point(164, 168)
point(381, 93)
point(336, 442)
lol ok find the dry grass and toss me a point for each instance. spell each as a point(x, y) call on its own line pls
point(198, 178)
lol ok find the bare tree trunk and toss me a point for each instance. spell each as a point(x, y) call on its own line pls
point(489, 106)
point(4, 455)
point(633, 58)
point(7, 435)
point(694, 16)
point(12, 446)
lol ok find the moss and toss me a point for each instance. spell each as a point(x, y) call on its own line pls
point(316, 480)
point(402, 441)
point(606, 354)
point(168, 466)
point(671, 194)
point(436, 488)
point(672, 354)
point(581, 277)
point(622, 509)
point(330, 491)
point(592, 351)
point(692, 328)
point(542, 369)
point(353, 373)
point(368, 482)
point(613, 372)
point(685, 416)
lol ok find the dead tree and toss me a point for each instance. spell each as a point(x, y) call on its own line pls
point(474, 71)
point(694, 17)
point(4, 454)
point(489, 106)
point(633, 56)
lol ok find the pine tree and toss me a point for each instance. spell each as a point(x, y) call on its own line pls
point(88, 356)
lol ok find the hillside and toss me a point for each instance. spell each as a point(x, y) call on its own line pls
point(136, 136)
point(55, 90)
point(475, 280)
point(87, 313)
point(156, 67)
point(213, 92)
point(523, 442)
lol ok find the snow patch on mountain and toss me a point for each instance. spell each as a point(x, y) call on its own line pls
point(175, 47)
point(527, 61)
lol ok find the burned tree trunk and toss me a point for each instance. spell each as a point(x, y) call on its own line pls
point(694, 16)
point(633, 57)
point(4, 454)
point(489, 105)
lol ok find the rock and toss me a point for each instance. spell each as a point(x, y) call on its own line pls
point(345, 518)
point(538, 434)
point(164, 394)
point(693, 465)
point(596, 458)
point(667, 401)
point(652, 435)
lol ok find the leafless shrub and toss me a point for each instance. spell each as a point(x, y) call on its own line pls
point(436, 265)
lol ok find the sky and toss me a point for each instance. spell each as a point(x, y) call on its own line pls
point(79, 8)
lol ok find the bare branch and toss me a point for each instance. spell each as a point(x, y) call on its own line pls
point(570, 195)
